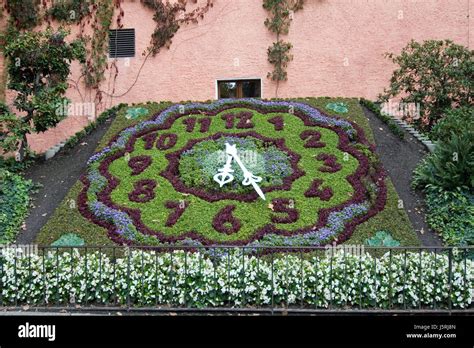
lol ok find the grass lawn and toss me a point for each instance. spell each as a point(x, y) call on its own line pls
point(201, 216)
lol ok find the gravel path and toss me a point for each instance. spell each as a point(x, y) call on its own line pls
point(57, 176)
point(399, 158)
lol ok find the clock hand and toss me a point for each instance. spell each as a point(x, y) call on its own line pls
point(249, 178)
point(224, 176)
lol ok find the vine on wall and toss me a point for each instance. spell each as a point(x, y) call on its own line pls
point(26, 14)
point(97, 46)
point(279, 23)
point(69, 11)
point(169, 17)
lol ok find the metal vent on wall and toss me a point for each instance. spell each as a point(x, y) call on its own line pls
point(121, 43)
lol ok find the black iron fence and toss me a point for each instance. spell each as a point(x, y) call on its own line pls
point(219, 278)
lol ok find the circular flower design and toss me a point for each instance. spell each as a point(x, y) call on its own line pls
point(153, 183)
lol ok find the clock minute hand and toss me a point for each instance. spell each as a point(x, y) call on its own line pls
point(249, 178)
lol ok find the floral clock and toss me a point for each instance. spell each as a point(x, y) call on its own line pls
point(234, 172)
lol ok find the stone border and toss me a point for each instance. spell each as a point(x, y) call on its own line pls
point(420, 137)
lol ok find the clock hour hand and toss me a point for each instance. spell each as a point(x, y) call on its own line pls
point(249, 178)
point(224, 176)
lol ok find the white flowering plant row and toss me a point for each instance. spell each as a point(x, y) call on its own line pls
point(193, 279)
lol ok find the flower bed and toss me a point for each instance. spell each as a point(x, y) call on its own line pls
point(317, 194)
point(140, 187)
point(192, 279)
point(14, 203)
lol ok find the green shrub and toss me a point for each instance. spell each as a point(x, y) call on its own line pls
point(436, 74)
point(450, 166)
point(451, 214)
point(14, 203)
point(455, 121)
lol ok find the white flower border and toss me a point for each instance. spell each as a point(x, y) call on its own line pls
point(192, 279)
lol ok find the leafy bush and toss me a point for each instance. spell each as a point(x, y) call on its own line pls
point(450, 166)
point(437, 74)
point(14, 203)
point(196, 280)
point(451, 213)
point(455, 121)
point(40, 79)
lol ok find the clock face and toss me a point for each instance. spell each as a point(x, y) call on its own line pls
point(295, 177)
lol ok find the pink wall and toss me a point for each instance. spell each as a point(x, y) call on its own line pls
point(338, 48)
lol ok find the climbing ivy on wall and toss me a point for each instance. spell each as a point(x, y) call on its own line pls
point(169, 17)
point(279, 23)
point(97, 45)
point(69, 11)
point(24, 13)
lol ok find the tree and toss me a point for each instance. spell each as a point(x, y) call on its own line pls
point(38, 68)
point(438, 75)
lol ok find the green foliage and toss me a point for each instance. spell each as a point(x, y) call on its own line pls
point(12, 164)
point(166, 23)
point(447, 177)
point(68, 240)
point(14, 202)
point(97, 46)
point(199, 165)
point(24, 13)
point(455, 121)
point(392, 125)
point(279, 23)
point(382, 238)
point(10, 130)
point(69, 11)
point(38, 68)
point(278, 55)
point(451, 213)
point(166, 16)
point(450, 166)
point(437, 74)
